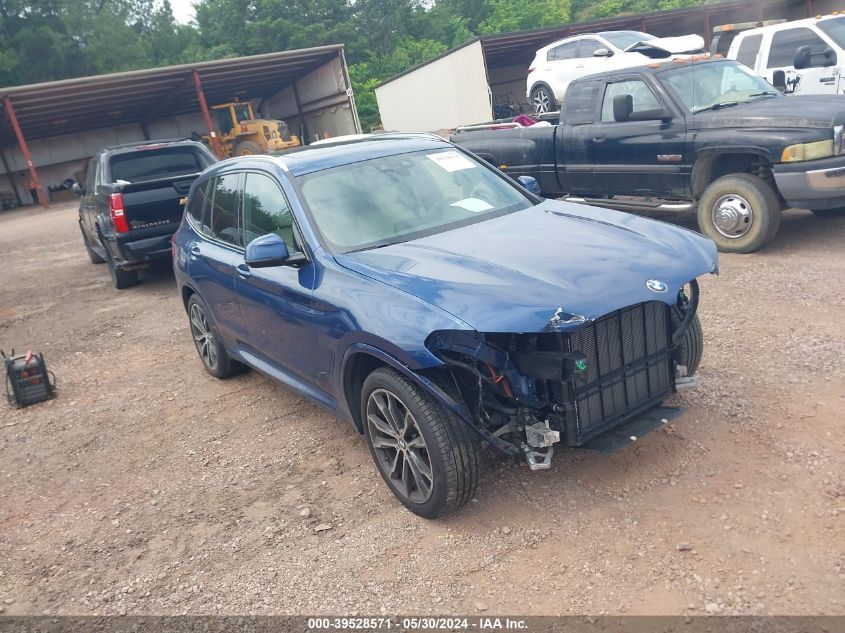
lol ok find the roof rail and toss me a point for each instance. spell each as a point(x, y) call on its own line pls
point(150, 142)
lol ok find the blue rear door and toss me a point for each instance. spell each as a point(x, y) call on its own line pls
point(212, 249)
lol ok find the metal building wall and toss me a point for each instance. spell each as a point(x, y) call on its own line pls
point(323, 97)
point(508, 85)
point(441, 95)
point(317, 106)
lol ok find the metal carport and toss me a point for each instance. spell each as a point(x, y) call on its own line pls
point(61, 123)
point(463, 85)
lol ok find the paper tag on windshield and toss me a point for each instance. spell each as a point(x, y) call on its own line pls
point(475, 205)
point(452, 160)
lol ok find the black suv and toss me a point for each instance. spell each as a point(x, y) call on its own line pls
point(132, 202)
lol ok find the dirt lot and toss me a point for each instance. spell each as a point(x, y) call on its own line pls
point(149, 487)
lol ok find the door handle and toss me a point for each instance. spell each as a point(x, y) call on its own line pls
point(195, 252)
point(598, 139)
point(243, 271)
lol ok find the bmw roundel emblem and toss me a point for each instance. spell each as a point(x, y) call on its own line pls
point(655, 285)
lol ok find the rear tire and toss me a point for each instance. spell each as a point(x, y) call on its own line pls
point(247, 148)
point(207, 340)
point(542, 99)
point(121, 279)
point(426, 455)
point(740, 212)
point(92, 254)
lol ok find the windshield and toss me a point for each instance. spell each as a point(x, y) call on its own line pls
point(708, 86)
point(242, 112)
point(393, 199)
point(624, 39)
point(834, 28)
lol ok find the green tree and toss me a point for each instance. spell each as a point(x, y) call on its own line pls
point(515, 15)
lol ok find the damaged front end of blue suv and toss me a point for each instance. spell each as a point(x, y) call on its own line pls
point(437, 305)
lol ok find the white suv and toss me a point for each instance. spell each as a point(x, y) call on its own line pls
point(563, 61)
point(800, 57)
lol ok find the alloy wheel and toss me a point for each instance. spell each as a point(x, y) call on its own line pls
point(203, 337)
point(541, 101)
point(400, 448)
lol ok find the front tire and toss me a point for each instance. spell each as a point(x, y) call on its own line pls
point(542, 99)
point(426, 455)
point(691, 348)
point(207, 340)
point(248, 148)
point(739, 212)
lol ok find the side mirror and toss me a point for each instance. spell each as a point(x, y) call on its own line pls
point(829, 57)
point(267, 250)
point(779, 80)
point(623, 110)
point(530, 183)
point(78, 189)
point(623, 106)
point(803, 58)
point(602, 52)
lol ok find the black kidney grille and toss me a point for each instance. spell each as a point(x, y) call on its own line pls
point(628, 365)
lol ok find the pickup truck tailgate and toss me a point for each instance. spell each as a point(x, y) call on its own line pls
point(155, 203)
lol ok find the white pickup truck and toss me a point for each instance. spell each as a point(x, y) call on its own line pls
point(799, 57)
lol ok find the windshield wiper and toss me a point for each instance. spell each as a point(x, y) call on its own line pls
point(717, 106)
point(766, 93)
point(373, 246)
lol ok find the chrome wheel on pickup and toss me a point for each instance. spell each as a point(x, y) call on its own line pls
point(732, 216)
point(740, 212)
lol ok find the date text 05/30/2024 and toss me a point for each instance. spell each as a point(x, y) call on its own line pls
point(410, 623)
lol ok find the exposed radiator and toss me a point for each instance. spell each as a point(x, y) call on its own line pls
point(628, 368)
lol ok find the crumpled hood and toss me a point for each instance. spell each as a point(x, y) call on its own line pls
point(794, 111)
point(515, 272)
point(665, 46)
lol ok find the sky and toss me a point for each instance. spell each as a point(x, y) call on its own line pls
point(183, 10)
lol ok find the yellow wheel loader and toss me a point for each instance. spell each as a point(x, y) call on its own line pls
point(241, 134)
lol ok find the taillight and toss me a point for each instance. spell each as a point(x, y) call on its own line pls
point(244, 128)
point(118, 217)
point(531, 70)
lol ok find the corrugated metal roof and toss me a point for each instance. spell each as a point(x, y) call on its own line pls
point(85, 103)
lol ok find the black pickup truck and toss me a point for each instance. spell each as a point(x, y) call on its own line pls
point(705, 134)
point(132, 202)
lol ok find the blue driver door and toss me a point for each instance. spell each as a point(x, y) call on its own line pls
point(276, 301)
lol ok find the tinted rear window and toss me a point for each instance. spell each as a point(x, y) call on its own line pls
point(581, 101)
point(153, 164)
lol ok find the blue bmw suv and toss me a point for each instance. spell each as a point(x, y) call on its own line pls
point(428, 299)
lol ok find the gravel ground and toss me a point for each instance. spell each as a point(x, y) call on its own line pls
point(148, 487)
